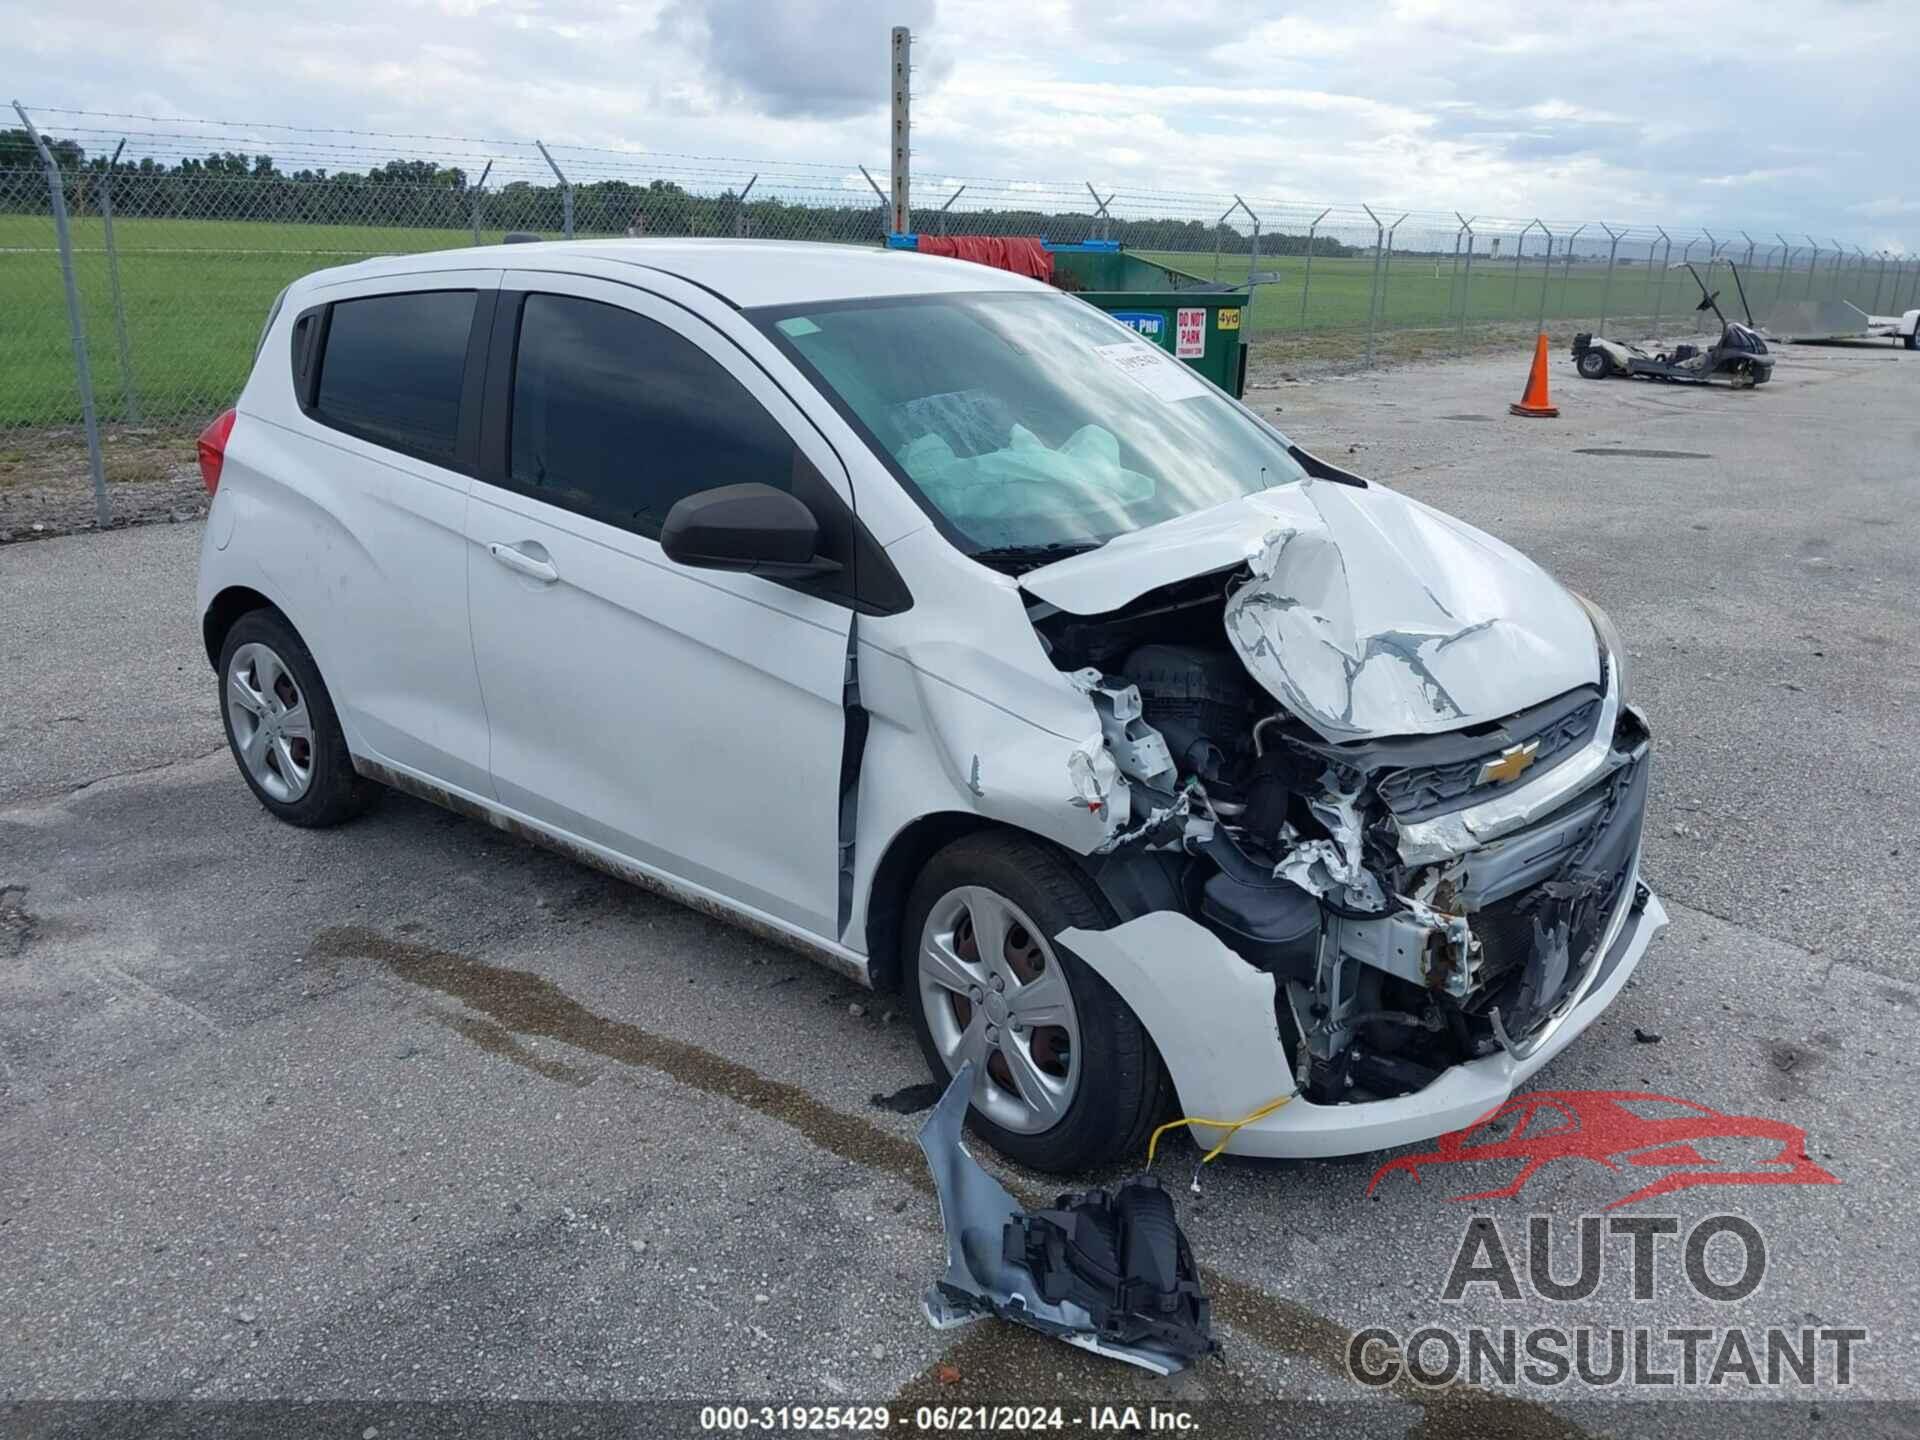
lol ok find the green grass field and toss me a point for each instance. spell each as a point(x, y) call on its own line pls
point(195, 293)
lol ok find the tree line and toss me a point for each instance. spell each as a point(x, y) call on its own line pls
point(420, 194)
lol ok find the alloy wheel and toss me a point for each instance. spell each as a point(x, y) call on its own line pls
point(272, 728)
point(994, 992)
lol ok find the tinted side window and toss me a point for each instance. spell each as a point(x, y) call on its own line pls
point(393, 370)
point(619, 417)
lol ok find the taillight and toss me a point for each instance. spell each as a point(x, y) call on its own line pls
point(213, 448)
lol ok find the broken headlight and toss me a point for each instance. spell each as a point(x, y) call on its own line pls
point(1613, 653)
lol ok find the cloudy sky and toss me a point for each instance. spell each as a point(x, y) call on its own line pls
point(1774, 114)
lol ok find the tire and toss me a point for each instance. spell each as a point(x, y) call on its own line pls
point(282, 728)
point(1116, 1088)
point(1913, 338)
point(1594, 365)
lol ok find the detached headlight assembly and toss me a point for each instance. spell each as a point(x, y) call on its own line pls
point(1610, 645)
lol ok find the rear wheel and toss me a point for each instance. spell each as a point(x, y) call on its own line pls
point(281, 725)
point(1913, 338)
point(1065, 1077)
point(1594, 365)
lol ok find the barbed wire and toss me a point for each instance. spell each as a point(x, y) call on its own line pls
point(174, 264)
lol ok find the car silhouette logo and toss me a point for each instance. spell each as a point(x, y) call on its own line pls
point(1625, 1131)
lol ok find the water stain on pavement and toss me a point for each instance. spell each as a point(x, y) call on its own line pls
point(497, 1040)
point(530, 1005)
point(525, 1004)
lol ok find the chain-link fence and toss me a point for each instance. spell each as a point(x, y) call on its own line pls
point(136, 287)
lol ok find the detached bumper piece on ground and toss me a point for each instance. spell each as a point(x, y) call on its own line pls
point(1106, 1272)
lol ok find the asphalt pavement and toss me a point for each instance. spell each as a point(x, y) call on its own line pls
point(410, 1111)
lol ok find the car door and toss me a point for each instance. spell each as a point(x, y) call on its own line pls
point(372, 498)
point(690, 720)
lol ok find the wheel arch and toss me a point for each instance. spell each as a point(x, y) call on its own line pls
point(1133, 882)
point(900, 865)
point(225, 610)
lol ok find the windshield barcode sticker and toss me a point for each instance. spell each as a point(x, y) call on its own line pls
point(1152, 370)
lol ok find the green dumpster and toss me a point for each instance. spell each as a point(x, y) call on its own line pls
point(1197, 320)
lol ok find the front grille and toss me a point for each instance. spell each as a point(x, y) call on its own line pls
point(1419, 792)
point(1598, 871)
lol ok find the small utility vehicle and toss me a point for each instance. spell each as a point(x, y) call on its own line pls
point(1740, 358)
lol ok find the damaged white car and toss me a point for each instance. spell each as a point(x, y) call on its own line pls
point(929, 620)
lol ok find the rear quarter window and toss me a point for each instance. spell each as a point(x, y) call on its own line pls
point(392, 368)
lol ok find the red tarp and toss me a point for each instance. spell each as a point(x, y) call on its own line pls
point(1023, 255)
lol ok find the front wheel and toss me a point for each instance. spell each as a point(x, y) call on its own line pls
point(1594, 365)
point(1065, 1077)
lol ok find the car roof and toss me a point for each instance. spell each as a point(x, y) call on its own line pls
point(745, 273)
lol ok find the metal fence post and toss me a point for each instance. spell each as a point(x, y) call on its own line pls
point(886, 205)
point(1660, 293)
point(1786, 264)
point(1519, 252)
point(1253, 255)
point(1219, 234)
point(740, 209)
point(1845, 289)
point(948, 206)
point(1566, 267)
point(1386, 264)
point(83, 371)
point(1813, 263)
point(1466, 285)
point(566, 189)
point(1606, 288)
point(1373, 291)
point(1546, 274)
point(1253, 283)
point(1879, 279)
point(1453, 270)
point(1306, 282)
point(1100, 209)
point(479, 190)
point(129, 390)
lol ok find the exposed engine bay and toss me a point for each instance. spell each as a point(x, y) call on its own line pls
point(1407, 925)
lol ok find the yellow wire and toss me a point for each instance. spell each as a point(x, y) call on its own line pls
point(1230, 1126)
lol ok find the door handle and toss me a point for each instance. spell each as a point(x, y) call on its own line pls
point(517, 557)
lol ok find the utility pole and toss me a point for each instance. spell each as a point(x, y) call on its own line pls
point(900, 211)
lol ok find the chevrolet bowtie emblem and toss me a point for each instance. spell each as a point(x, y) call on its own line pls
point(1512, 764)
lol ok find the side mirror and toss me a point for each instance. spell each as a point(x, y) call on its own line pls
point(751, 527)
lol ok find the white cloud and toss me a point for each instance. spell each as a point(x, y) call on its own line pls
point(1638, 110)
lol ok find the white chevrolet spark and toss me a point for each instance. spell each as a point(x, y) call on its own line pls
point(929, 620)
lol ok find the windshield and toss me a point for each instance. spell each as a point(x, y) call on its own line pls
point(1030, 425)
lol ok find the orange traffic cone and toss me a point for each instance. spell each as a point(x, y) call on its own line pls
point(1535, 401)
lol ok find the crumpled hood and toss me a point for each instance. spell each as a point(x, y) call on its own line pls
point(1368, 614)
